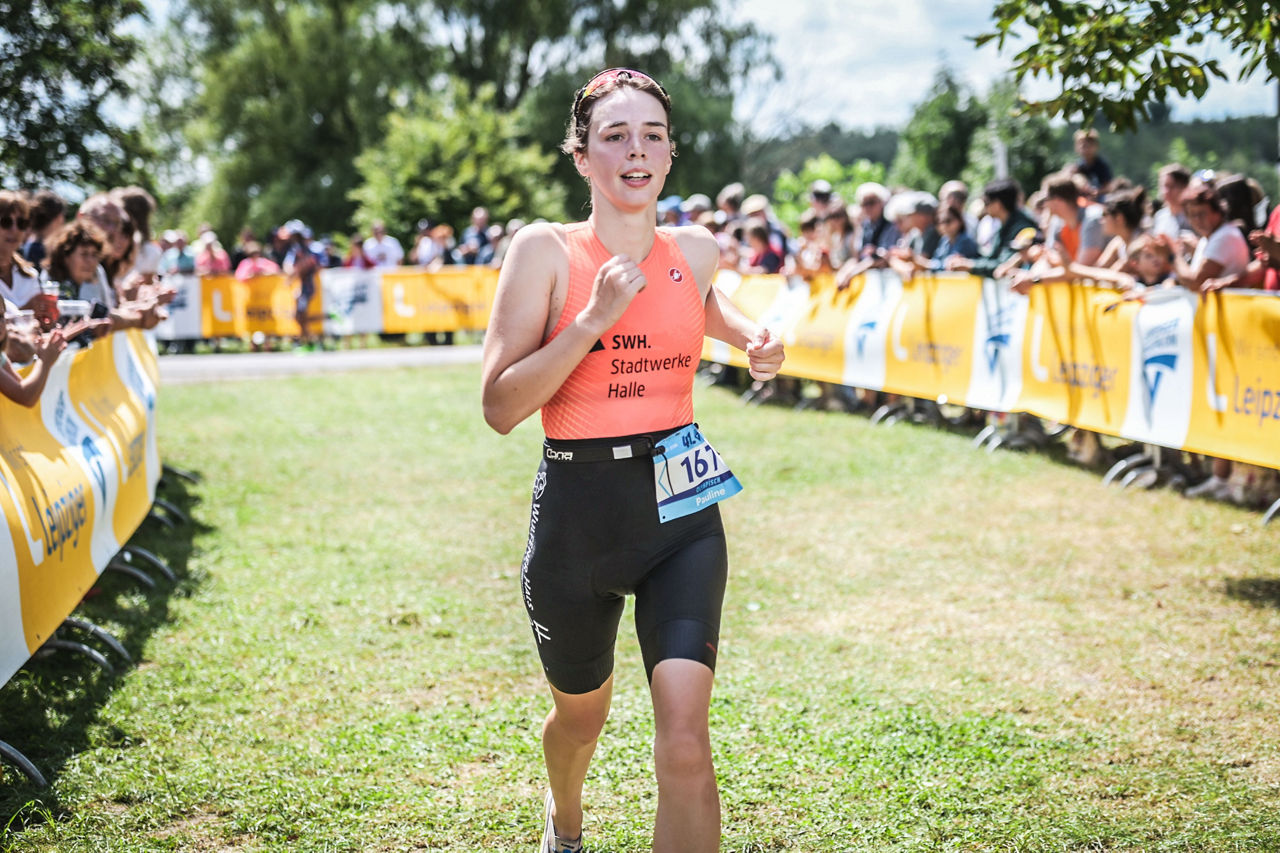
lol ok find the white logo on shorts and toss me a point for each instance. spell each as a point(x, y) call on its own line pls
point(539, 485)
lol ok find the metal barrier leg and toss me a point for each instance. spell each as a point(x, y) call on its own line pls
point(189, 476)
point(55, 645)
point(1272, 513)
point(28, 769)
point(98, 633)
point(171, 510)
point(128, 552)
point(131, 571)
point(984, 436)
point(161, 517)
point(1122, 467)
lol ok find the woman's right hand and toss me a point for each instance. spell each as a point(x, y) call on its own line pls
point(51, 346)
point(616, 284)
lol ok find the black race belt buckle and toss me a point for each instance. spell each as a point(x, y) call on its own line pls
point(640, 447)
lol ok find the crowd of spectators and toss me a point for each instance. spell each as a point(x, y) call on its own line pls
point(68, 280)
point(71, 278)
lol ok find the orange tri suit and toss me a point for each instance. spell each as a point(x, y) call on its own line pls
point(595, 535)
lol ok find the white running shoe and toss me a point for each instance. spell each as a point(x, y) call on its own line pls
point(552, 843)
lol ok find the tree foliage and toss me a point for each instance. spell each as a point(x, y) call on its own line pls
point(441, 157)
point(1029, 145)
point(934, 146)
point(1120, 58)
point(62, 61)
point(286, 96)
point(791, 190)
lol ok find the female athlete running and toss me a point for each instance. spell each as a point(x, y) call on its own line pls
point(600, 324)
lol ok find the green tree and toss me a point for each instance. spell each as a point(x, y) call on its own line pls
point(934, 146)
point(1029, 145)
point(441, 156)
point(63, 61)
point(283, 98)
point(1123, 57)
point(790, 194)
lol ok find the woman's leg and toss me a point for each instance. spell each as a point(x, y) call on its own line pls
point(688, 801)
point(569, 737)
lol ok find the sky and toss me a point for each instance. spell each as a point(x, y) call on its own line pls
point(866, 63)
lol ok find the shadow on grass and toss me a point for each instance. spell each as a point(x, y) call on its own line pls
point(1260, 592)
point(50, 709)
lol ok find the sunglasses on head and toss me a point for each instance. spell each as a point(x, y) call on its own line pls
point(613, 74)
point(8, 221)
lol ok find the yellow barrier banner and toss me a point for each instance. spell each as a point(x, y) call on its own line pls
point(931, 337)
point(1171, 369)
point(1235, 400)
point(224, 303)
point(78, 472)
point(1076, 366)
point(448, 300)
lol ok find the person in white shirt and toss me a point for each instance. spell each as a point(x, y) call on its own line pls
point(1222, 250)
point(383, 249)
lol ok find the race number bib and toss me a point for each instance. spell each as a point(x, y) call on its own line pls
point(689, 475)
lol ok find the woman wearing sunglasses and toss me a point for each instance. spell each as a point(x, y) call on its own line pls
point(599, 324)
point(19, 280)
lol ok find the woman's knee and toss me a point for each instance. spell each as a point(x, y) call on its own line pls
point(682, 753)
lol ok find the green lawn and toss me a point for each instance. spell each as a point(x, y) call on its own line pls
point(925, 647)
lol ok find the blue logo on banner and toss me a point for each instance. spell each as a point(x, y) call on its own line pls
point(863, 332)
point(94, 457)
point(1159, 356)
point(995, 345)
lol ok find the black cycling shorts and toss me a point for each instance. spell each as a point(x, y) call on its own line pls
point(594, 538)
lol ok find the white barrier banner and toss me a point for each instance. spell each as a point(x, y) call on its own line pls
point(183, 322)
point(867, 333)
point(352, 301)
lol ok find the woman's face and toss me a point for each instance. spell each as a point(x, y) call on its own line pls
point(628, 153)
point(1204, 218)
point(82, 263)
point(948, 224)
point(1111, 224)
point(13, 228)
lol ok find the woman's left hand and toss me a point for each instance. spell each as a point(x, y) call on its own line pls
point(764, 355)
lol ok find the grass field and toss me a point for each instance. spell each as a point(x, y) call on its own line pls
point(924, 648)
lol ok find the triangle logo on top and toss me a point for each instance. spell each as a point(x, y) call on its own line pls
point(599, 347)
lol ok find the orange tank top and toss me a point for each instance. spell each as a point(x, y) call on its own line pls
point(639, 376)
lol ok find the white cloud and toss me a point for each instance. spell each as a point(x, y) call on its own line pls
point(863, 63)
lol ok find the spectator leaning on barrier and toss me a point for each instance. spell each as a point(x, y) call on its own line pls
point(1000, 201)
point(211, 258)
point(26, 390)
point(954, 239)
point(383, 249)
point(1076, 228)
point(474, 246)
point(19, 280)
point(1268, 255)
point(254, 264)
point(1122, 216)
point(1221, 252)
point(48, 213)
